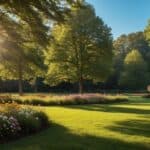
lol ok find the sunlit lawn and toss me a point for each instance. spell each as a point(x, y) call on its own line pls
point(92, 127)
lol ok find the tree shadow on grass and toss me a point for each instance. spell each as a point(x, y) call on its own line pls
point(139, 101)
point(111, 108)
point(58, 137)
point(132, 127)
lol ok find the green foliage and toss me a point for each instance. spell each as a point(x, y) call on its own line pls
point(25, 61)
point(37, 15)
point(147, 32)
point(123, 45)
point(135, 74)
point(25, 28)
point(81, 49)
point(28, 122)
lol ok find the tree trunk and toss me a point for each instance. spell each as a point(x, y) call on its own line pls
point(81, 86)
point(20, 87)
point(35, 86)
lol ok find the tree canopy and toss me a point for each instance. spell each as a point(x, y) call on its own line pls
point(124, 45)
point(35, 14)
point(81, 49)
point(25, 32)
point(135, 74)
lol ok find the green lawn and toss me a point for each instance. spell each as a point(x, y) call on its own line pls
point(92, 127)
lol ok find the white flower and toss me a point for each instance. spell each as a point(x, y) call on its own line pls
point(36, 118)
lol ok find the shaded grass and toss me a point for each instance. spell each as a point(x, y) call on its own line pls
point(92, 127)
point(63, 139)
point(132, 127)
point(114, 109)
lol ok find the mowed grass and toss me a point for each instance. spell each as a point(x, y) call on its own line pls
point(124, 126)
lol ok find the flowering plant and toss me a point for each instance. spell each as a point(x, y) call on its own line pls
point(9, 126)
point(16, 121)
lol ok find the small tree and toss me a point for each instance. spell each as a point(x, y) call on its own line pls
point(81, 49)
point(135, 74)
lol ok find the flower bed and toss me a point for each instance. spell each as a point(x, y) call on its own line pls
point(72, 99)
point(17, 121)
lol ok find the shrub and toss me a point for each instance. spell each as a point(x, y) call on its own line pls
point(28, 122)
point(16, 121)
point(9, 127)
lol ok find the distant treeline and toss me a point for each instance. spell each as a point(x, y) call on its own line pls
point(11, 86)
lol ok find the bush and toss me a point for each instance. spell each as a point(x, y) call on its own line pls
point(9, 127)
point(28, 122)
point(17, 121)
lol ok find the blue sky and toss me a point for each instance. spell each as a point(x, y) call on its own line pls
point(123, 16)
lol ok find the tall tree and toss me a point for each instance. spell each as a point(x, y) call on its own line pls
point(12, 52)
point(125, 44)
point(24, 23)
point(18, 55)
point(135, 74)
point(81, 49)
